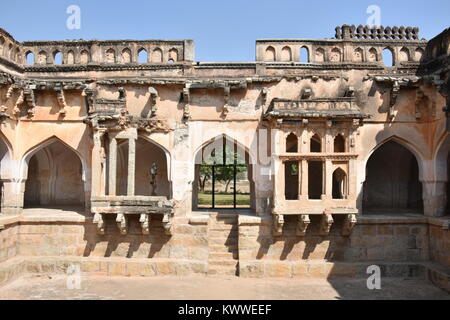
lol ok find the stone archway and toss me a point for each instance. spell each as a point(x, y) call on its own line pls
point(54, 178)
point(223, 176)
point(392, 181)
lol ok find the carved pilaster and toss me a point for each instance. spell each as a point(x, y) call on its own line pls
point(278, 223)
point(167, 223)
point(325, 224)
point(349, 222)
point(122, 223)
point(98, 220)
point(302, 224)
point(144, 220)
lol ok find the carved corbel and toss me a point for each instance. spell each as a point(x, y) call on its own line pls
point(144, 220)
point(325, 224)
point(98, 220)
point(122, 223)
point(264, 93)
point(167, 223)
point(349, 223)
point(306, 94)
point(89, 97)
point(20, 100)
point(187, 101)
point(395, 90)
point(227, 94)
point(278, 223)
point(153, 97)
point(30, 100)
point(302, 224)
point(61, 101)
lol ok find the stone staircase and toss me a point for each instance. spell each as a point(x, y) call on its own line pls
point(223, 244)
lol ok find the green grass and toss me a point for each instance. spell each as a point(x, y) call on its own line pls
point(222, 199)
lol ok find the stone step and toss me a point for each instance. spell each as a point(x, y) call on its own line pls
point(222, 262)
point(223, 248)
point(229, 271)
point(223, 255)
point(223, 241)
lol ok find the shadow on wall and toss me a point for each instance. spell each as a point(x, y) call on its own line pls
point(133, 245)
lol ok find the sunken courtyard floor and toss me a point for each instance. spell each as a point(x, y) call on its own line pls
point(215, 288)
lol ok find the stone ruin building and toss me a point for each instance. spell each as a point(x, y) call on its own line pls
point(344, 157)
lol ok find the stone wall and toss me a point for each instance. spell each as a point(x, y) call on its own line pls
point(440, 244)
point(373, 239)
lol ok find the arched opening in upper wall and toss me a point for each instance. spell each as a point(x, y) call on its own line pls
point(315, 144)
point(388, 57)
point(286, 54)
point(57, 57)
point(142, 56)
point(304, 55)
point(339, 184)
point(269, 54)
point(29, 56)
point(339, 143)
point(392, 181)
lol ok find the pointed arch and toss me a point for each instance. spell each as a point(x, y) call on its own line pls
point(388, 57)
point(304, 55)
point(286, 54)
point(339, 184)
point(125, 56)
point(358, 55)
point(142, 56)
point(315, 143)
point(70, 57)
point(404, 54)
point(157, 55)
point(54, 174)
point(270, 54)
point(372, 55)
point(173, 55)
point(292, 143)
point(339, 143)
point(392, 180)
point(319, 55)
point(110, 56)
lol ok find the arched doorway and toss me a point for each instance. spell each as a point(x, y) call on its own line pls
point(54, 178)
point(223, 176)
point(4, 162)
point(148, 155)
point(392, 181)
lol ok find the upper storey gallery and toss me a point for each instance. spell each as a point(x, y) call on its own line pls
point(352, 47)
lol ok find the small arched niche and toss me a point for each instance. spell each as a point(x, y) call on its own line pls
point(286, 54)
point(320, 55)
point(372, 55)
point(269, 55)
point(110, 56)
point(84, 57)
point(339, 189)
point(126, 56)
point(157, 56)
point(315, 144)
point(70, 57)
point(57, 57)
point(404, 54)
point(339, 143)
point(173, 55)
point(292, 143)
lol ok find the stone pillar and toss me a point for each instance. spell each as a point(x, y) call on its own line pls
point(328, 180)
point(304, 180)
point(97, 165)
point(434, 194)
point(131, 166)
point(112, 166)
point(12, 197)
point(351, 180)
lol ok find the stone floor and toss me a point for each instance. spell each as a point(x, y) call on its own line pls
point(206, 288)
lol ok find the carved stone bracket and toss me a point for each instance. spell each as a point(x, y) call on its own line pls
point(153, 97)
point(325, 224)
point(167, 223)
point(349, 222)
point(264, 93)
point(144, 220)
point(19, 101)
point(30, 100)
point(278, 223)
point(98, 220)
point(227, 94)
point(302, 224)
point(122, 223)
point(61, 101)
point(187, 100)
point(395, 90)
